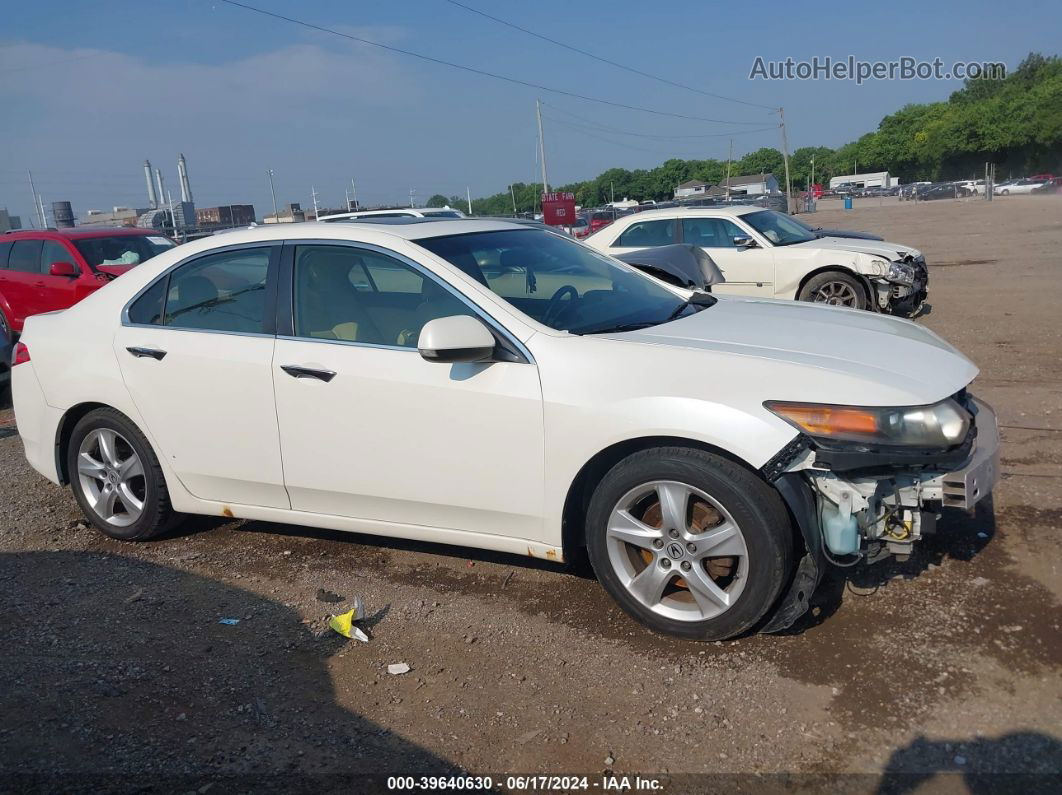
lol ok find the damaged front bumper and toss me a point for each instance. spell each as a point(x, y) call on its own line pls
point(855, 506)
point(905, 297)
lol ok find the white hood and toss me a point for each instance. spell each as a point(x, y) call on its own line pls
point(877, 248)
point(826, 354)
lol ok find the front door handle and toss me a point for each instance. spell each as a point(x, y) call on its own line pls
point(295, 371)
point(147, 353)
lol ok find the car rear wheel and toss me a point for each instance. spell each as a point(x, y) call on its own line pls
point(836, 289)
point(689, 543)
point(116, 478)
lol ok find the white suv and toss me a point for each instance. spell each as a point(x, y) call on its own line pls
point(766, 254)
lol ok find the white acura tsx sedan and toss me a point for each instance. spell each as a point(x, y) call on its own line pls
point(500, 386)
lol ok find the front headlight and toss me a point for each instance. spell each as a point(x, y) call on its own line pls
point(943, 424)
point(900, 272)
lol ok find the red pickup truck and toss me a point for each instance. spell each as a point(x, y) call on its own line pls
point(44, 270)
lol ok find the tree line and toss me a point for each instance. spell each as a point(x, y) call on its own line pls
point(1015, 123)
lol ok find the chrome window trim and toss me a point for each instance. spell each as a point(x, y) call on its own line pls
point(200, 330)
point(381, 346)
point(477, 310)
point(187, 260)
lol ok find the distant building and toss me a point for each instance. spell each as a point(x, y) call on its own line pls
point(291, 214)
point(692, 188)
point(118, 216)
point(226, 215)
point(9, 222)
point(748, 185)
point(877, 179)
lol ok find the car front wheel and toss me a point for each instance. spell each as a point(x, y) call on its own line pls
point(836, 289)
point(116, 478)
point(689, 543)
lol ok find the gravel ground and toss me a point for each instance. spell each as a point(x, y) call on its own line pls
point(116, 672)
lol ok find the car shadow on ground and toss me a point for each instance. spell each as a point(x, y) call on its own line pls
point(1032, 761)
point(959, 536)
point(118, 676)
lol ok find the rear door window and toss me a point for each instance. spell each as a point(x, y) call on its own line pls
point(646, 234)
point(220, 292)
point(25, 256)
point(5, 249)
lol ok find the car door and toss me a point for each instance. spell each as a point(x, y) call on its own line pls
point(58, 292)
point(371, 430)
point(748, 270)
point(196, 353)
point(20, 280)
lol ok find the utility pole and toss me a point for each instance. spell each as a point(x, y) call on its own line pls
point(513, 194)
point(541, 146)
point(811, 184)
point(276, 212)
point(785, 159)
point(612, 191)
point(354, 193)
point(729, 157)
point(36, 201)
point(313, 194)
point(468, 197)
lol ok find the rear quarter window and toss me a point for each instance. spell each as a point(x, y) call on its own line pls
point(4, 249)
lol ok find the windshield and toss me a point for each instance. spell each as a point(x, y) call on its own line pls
point(121, 249)
point(778, 228)
point(558, 282)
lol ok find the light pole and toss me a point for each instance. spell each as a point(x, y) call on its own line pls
point(276, 212)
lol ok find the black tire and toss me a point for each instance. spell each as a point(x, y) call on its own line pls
point(843, 284)
point(157, 515)
point(755, 507)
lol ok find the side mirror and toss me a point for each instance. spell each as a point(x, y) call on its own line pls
point(68, 269)
point(745, 242)
point(459, 338)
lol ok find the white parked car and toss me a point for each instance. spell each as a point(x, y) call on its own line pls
point(1018, 186)
point(400, 212)
point(765, 253)
point(497, 385)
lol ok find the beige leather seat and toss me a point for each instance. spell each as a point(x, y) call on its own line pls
point(328, 305)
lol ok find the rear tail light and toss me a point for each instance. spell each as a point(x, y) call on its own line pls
point(21, 354)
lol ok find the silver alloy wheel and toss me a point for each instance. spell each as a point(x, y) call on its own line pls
point(677, 550)
point(836, 294)
point(112, 477)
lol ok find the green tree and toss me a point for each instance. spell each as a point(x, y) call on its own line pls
point(438, 200)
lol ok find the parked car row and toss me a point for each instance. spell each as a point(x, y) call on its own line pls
point(498, 385)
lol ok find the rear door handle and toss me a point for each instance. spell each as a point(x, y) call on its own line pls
point(295, 371)
point(147, 353)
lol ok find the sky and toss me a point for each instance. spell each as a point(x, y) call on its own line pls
point(89, 90)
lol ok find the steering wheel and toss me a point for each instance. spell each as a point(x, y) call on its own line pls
point(553, 307)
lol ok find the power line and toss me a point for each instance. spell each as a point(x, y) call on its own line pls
point(473, 70)
point(607, 61)
point(605, 128)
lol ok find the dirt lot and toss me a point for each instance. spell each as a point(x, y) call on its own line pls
point(115, 670)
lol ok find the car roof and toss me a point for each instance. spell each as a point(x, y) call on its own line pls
point(358, 231)
point(81, 232)
point(691, 212)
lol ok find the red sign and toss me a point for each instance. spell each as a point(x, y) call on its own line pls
point(558, 209)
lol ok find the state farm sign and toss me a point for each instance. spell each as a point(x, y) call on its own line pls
point(558, 209)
